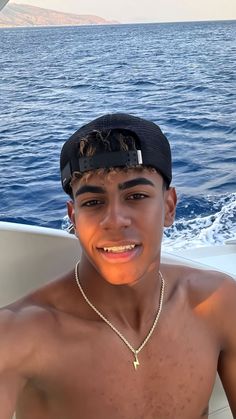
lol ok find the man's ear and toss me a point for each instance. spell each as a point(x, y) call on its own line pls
point(170, 206)
point(71, 211)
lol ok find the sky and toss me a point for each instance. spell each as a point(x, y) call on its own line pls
point(132, 11)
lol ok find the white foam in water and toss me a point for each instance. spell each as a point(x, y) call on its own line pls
point(212, 229)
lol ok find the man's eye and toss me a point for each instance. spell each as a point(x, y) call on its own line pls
point(136, 196)
point(91, 203)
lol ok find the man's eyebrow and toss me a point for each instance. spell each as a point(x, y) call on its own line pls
point(122, 186)
point(89, 188)
point(135, 182)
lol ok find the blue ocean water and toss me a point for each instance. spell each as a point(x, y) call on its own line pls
point(180, 75)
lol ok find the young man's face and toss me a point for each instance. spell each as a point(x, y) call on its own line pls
point(119, 220)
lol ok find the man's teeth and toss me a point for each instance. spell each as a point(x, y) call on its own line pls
point(119, 249)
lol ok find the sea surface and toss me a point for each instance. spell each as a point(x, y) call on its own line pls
point(180, 75)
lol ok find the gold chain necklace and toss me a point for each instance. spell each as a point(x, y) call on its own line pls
point(135, 351)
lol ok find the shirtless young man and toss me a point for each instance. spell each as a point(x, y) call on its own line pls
point(166, 329)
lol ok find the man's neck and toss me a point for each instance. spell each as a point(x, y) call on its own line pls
point(132, 306)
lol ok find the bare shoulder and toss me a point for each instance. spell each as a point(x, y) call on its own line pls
point(28, 322)
point(212, 288)
point(21, 327)
point(211, 294)
point(201, 283)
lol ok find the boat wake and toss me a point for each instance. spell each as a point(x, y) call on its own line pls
point(214, 228)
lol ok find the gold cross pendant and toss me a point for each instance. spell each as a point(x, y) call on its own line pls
point(136, 362)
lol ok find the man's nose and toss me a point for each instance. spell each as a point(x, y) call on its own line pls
point(115, 217)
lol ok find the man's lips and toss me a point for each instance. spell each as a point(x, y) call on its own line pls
point(118, 247)
point(120, 252)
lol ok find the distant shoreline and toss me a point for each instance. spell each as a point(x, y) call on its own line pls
point(60, 26)
point(112, 24)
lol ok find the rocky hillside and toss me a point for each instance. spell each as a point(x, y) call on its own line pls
point(24, 15)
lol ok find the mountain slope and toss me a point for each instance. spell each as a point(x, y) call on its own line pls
point(24, 15)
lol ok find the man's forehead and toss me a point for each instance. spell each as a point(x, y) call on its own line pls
point(114, 175)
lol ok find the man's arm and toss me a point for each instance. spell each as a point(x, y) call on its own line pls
point(11, 380)
point(227, 360)
point(10, 387)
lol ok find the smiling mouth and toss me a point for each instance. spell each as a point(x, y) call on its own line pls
point(119, 249)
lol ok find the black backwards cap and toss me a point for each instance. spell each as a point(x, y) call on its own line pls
point(154, 149)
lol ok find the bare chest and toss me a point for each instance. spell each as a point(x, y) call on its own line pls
point(94, 377)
